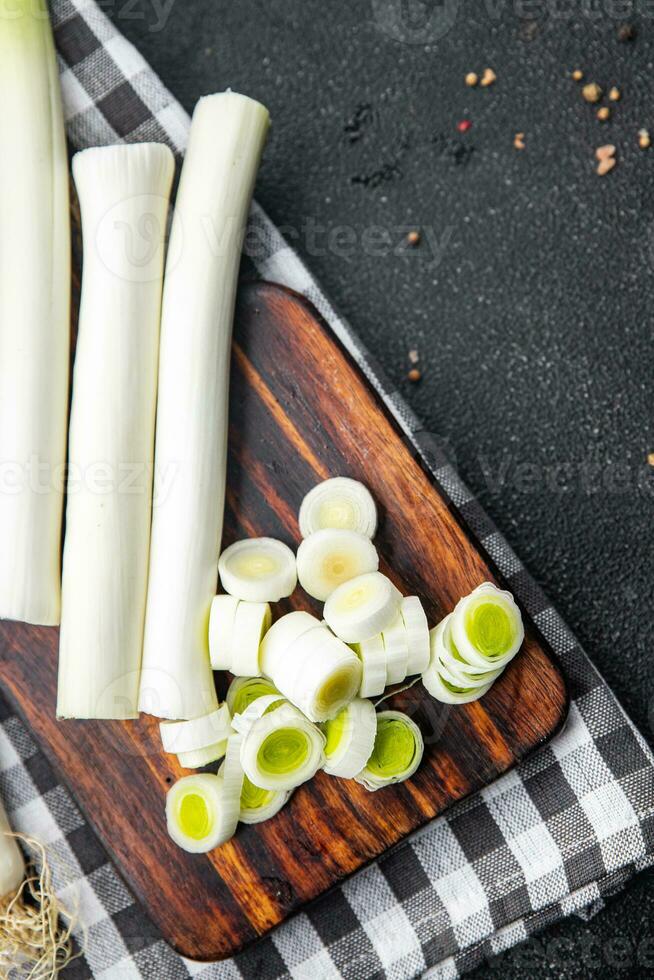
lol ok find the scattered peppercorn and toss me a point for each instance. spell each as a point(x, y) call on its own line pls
point(413, 238)
point(604, 152)
point(463, 125)
point(519, 141)
point(471, 79)
point(414, 375)
point(626, 32)
point(603, 167)
point(577, 75)
point(488, 77)
point(592, 92)
point(615, 94)
point(603, 113)
point(644, 140)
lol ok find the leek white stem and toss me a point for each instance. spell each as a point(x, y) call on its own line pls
point(123, 192)
point(227, 136)
point(34, 316)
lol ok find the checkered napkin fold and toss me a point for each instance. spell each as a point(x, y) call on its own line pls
point(554, 836)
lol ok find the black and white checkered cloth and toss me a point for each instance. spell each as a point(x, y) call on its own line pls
point(551, 838)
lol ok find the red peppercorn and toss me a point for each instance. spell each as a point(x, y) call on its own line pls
point(464, 125)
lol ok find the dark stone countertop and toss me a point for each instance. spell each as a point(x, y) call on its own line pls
point(529, 300)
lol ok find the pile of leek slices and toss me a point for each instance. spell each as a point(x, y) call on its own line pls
point(300, 698)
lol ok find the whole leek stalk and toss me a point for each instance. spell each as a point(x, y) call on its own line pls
point(34, 315)
point(124, 193)
point(228, 133)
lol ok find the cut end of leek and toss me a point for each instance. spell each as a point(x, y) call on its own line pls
point(338, 503)
point(193, 808)
point(258, 570)
point(397, 751)
point(350, 739)
point(330, 557)
point(363, 607)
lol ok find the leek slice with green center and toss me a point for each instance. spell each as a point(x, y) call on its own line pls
point(397, 751)
point(281, 749)
point(258, 805)
point(350, 738)
point(442, 685)
point(244, 690)
point(487, 627)
point(193, 807)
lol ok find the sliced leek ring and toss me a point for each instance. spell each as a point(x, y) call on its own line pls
point(330, 557)
point(244, 690)
point(193, 812)
point(281, 636)
point(198, 758)
point(454, 671)
point(221, 631)
point(396, 645)
point(363, 607)
point(439, 687)
point(258, 805)
point(232, 776)
point(187, 736)
point(318, 673)
point(417, 629)
point(487, 628)
point(339, 503)
point(397, 751)
point(258, 570)
point(256, 709)
point(372, 655)
point(251, 623)
point(282, 749)
point(350, 739)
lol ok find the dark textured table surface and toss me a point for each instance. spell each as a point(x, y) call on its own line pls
point(529, 300)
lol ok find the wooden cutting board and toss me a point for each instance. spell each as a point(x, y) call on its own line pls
point(301, 411)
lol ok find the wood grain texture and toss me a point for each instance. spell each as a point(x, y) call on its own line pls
point(300, 411)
